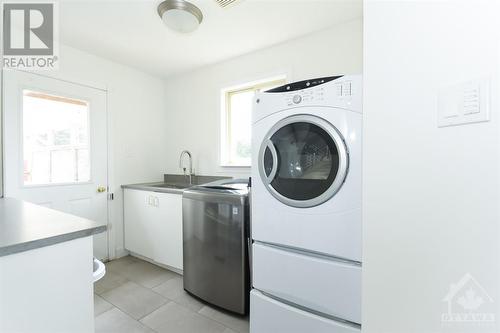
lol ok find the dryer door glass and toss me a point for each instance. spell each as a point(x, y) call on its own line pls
point(304, 162)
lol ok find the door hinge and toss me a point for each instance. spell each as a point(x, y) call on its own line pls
point(111, 196)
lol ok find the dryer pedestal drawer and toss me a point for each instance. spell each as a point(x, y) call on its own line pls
point(321, 284)
point(270, 316)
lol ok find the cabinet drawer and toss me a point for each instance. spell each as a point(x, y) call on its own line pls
point(271, 316)
point(323, 285)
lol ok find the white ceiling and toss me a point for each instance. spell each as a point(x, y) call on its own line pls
point(132, 33)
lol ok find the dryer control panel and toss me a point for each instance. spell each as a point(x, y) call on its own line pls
point(335, 91)
point(300, 85)
point(316, 94)
point(305, 96)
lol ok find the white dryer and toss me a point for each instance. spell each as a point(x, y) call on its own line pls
point(306, 205)
point(306, 166)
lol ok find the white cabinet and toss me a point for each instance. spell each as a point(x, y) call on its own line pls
point(153, 226)
point(168, 229)
point(139, 219)
point(50, 285)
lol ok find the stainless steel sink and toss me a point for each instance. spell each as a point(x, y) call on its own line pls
point(171, 185)
point(174, 183)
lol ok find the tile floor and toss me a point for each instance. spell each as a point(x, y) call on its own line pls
point(136, 296)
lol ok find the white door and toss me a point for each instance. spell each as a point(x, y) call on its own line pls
point(55, 147)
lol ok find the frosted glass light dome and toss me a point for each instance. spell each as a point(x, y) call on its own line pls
point(180, 15)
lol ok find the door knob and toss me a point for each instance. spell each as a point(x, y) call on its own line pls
point(101, 189)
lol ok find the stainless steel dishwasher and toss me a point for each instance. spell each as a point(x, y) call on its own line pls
point(215, 243)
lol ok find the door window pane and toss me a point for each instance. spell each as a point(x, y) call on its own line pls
point(55, 139)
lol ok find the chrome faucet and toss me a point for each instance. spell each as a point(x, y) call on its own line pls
point(181, 165)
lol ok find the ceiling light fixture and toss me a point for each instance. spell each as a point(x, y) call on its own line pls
point(180, 15)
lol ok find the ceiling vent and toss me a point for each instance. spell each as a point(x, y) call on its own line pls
point(225, 3)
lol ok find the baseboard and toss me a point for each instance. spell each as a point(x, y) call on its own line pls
point(119, 253)
point(170, 268)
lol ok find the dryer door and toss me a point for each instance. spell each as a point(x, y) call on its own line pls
point(303, 161)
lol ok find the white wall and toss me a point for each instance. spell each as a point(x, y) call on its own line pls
point(431, 195)
point(193, 99)
point(137, 118)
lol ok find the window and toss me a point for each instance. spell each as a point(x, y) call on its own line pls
point(236, 126)
point(55, 139)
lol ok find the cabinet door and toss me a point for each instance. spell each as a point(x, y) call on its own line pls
point(168, 224)
point(139, 221)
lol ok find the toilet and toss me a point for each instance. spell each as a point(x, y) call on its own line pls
point(99, 270)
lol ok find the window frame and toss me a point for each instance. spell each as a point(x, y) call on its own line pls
point(225, 119)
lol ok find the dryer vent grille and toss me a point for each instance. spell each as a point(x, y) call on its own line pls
point(225, 3)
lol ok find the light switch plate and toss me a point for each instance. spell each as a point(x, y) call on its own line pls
point(464, 103)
